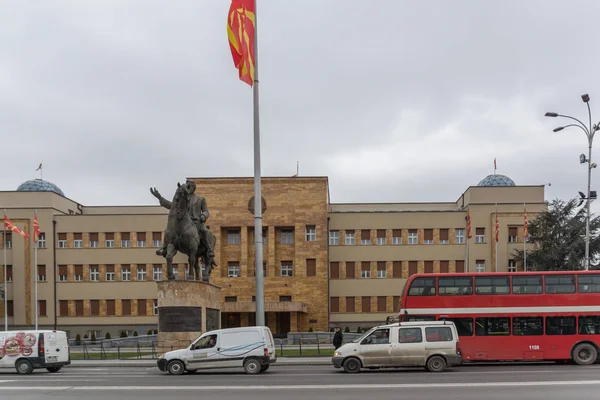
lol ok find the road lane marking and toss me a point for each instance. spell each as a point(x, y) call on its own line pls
point(461, 386)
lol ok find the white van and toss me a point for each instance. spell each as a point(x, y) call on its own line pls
point(29, 350)
point(252, 348)
point(433, 345)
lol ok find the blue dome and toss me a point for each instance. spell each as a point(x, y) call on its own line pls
point(496, 180)
point(38, 185)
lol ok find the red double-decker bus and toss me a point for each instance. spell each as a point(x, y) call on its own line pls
point(513, 316)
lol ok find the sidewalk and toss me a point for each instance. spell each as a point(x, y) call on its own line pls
point(143, 363)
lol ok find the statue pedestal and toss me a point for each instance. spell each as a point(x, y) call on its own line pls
point(186, 309)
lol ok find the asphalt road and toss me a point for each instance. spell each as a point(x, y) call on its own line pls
point(495, 382)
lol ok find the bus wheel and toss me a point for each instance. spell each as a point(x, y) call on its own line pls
point(584, 354)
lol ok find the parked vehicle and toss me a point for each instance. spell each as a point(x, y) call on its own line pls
point(433, 345)
point(252, 348)
point(29, 350)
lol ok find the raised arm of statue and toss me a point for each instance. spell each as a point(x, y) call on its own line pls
point(162, 201)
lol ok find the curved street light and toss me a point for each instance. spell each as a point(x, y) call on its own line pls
point(589, 130)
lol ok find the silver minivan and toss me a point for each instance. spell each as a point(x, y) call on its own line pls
point(430, 344)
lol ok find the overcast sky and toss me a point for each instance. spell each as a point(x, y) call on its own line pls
point(393, 100)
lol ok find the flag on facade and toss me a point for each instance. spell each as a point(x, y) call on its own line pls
point(469, 235)
point(240, 32)
point(525, 224)
point(497, 227)
point(11, 227)
point(36, 227)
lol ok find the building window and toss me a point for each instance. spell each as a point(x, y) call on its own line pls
point(311, 233)
point(110, 272)
point(62, 241)
point(78, 272)
point(125, 272)
point(397, 236)
point(41, 242)
point(444, 236)
point(110, 307)
point(77, 240)
point(79, 308)
point(141, 272)
point(287, 236)
point(230, 299)
point(157, 272)
point(155, 307)
point(311, 267)
point(365, 237)
point(285, 298)
point(141, 307)
point(334, 304)
point(381, 270)
point(94, 240)
point(125, 240)
point(413, 237)
point(176, 271)
point(63, 306)
point(334, 238)
point(233, 270)
point(349, 238)
point(94, 273)
point(512, 266)
point(109, 243)
point(380, 236)
point(366, 304)
point(62, 273)
point(94, 308)
point(42, 308)
point(287, 268)
point(479, 235)
point(428, 236)
point(365, 270)
point(141, 239)
point(234, 236)
point(156, 239)
point(512, 234)
point(480, 266)
point(459, 236)
point(8, 240)
point(41, 271)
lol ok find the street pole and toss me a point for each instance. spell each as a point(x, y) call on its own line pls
point(589, 131)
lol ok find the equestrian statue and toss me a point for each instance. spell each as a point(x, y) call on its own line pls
point(186, 231)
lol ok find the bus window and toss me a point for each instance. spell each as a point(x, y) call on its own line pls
point(560, 326)
point(492, 285)
point(455, 286)
point(414, 318)
point(560, 284)
point(464, 326)
point(588, 283)
point(527, 284)
point(492, 326)
point(589, 325)
point(422, 287)
point(528, 326)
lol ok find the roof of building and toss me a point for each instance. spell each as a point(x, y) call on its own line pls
point(39, 185)
point(496, 180)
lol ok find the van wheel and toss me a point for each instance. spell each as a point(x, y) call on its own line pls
point(436, 364)
point(352, 365)
point(264, 368)
point(24, 367)
point(584, 354)
point(53, 369)
point(175, 367)
point(252, 366)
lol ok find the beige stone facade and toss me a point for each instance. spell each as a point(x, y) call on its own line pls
point(325, 264)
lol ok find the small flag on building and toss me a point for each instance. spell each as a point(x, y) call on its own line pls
point(469, 235)
point(497, 227)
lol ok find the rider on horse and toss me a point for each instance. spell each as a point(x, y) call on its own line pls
point(198, 210)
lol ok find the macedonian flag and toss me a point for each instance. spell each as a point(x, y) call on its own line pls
point(11, 227)
point(240, 32)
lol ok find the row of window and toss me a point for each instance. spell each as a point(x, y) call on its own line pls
point(412, 236)
point(503, 285)
point(286, 268)
point(107, 308)
point(522, 325)
point(409, 335)
point(365, 304)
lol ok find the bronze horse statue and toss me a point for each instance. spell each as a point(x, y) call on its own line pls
point(181, 235)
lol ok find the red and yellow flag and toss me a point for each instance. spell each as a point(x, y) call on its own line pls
point(36, 228)
point(469, 235)
point(240, 32)
point(497, 228)
point(11, 227)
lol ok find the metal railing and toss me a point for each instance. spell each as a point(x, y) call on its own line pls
point(297, 344)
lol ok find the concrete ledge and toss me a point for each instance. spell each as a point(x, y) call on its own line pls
point(147, 363)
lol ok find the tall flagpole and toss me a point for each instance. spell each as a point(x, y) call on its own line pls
point(5, 282)
point(258, 240)
point(496, 237)
point(467, 239)
point(36, 276)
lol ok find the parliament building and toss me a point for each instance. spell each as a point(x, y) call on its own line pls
point(325, 264)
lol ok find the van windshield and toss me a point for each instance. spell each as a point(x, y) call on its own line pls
point(363, 336)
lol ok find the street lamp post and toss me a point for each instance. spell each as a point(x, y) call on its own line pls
point(589, 130)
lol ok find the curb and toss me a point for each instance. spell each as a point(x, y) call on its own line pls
point(152, 363)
